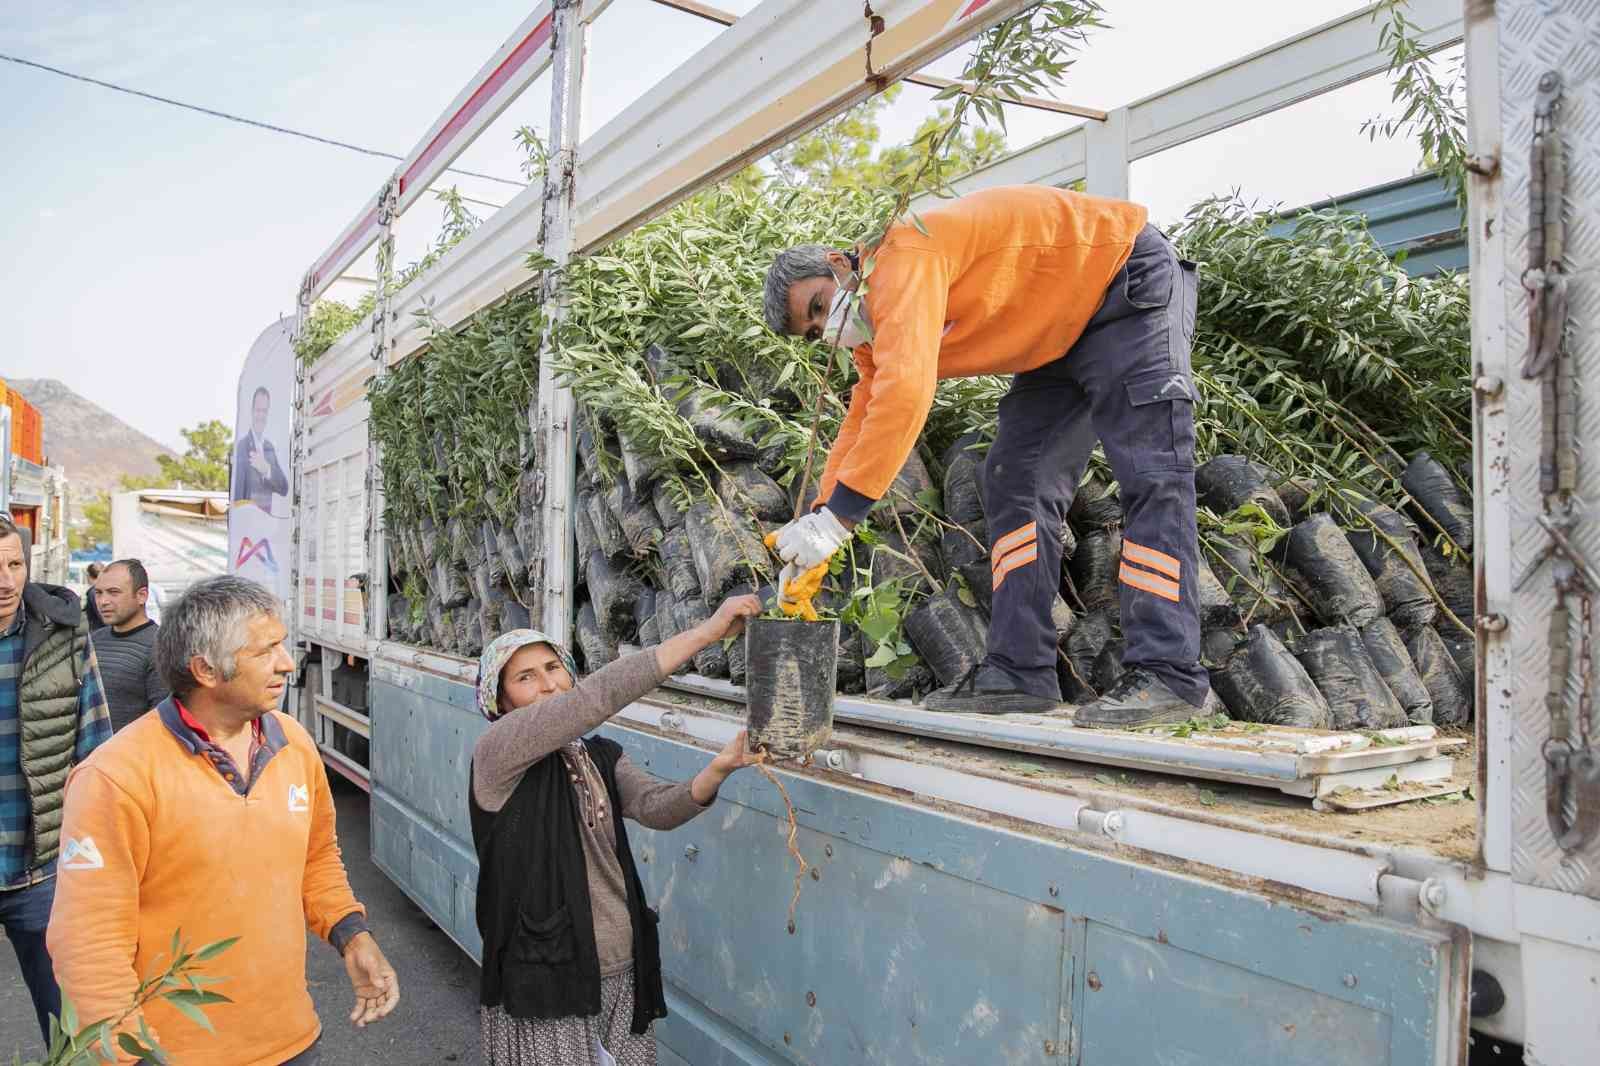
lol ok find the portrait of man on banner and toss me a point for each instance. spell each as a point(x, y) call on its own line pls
point(257, 473)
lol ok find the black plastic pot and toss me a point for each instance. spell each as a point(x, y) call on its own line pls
point(790, 670)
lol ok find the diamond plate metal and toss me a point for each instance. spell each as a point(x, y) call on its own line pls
point(1536, 36)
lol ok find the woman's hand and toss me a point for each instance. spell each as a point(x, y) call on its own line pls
point(727, 622)
point(729, 619)
point(734, 755)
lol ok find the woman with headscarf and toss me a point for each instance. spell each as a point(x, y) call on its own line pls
point(571, 959)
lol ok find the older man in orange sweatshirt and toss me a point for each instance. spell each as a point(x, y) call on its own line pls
point(212, 816)
point(1092, 312)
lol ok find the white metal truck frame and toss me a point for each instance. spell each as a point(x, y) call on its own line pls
point(1524, 912)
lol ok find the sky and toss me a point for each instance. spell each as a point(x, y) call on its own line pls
point(147, 246)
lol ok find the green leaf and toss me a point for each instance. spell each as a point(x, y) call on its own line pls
point(1208, 798)
point(215, 948)
point(882, 657)
point(192, 1012)
point(916, 220)
point(901, 666)
point(880, 625)
point(131, 1045)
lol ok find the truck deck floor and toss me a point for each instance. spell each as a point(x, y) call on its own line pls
point(1441, 826)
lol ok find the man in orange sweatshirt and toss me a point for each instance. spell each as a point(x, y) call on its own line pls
point(1092, 312)
point(212, 815)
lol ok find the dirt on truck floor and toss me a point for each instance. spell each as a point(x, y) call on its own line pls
point(1445, 826)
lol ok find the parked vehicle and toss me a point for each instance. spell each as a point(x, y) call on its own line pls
point(1001, 891)
point(33, 493)
point(181, 535)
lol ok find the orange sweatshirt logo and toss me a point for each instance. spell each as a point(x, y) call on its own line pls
point(81, 854)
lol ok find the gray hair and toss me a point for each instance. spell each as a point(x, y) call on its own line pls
point(791, 265)
point(209, 621)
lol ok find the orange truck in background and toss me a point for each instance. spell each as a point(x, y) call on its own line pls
point(33, 493)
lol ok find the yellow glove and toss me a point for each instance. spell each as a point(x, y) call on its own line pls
point(796, 592)
point(796, 598)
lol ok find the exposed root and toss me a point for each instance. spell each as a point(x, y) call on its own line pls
point(800, 864)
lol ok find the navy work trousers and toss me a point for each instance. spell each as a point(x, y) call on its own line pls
point(1127, 384)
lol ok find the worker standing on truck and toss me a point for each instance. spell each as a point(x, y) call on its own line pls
point(1092, 312)
point(571, 960)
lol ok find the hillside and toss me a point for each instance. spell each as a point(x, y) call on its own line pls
point(95, 446)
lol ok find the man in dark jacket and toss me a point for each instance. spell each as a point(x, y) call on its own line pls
point(257, 477)
point(52, 715)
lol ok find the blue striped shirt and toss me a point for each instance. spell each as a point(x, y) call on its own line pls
point(94, 729)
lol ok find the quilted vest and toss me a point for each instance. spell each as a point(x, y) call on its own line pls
point(47, 691)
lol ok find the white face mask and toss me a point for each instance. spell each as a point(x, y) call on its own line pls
point(842, 322)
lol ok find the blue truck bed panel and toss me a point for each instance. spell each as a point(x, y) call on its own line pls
point(931, 935)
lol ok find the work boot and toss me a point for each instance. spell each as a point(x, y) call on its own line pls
point(1140, 699)
point(987, 690)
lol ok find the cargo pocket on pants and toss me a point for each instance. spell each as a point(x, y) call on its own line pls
point(1161, 426)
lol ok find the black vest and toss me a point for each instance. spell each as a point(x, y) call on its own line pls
point(539, 953)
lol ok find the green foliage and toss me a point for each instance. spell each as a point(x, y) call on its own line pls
point(327, 321)
point(690, 281)
point(1252, 521)
point(179, 984)
point(1313, 352)
point(96, 529)
point(203, 464)
point(1318, 356)
point(454, 424)
point(1432, 110)
point(844, 153)
point(1026, 54)
point(878, 609)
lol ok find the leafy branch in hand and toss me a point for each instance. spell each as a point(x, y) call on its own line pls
point(180, 984)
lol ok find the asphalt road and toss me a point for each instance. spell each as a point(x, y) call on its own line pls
point(437, 1020)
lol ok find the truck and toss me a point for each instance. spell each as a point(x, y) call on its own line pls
point(180, 535)
point(998, 890)
point(34, 493)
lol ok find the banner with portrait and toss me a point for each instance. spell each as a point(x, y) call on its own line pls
point(260, 468)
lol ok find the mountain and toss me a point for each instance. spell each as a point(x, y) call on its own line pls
point(94, 445)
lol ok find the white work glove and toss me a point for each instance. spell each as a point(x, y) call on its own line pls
point(810, 540)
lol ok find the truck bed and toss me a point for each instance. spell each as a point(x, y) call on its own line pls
point(1444, 827)
point(961, 903)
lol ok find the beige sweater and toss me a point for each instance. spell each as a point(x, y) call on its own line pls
point(519, 739)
